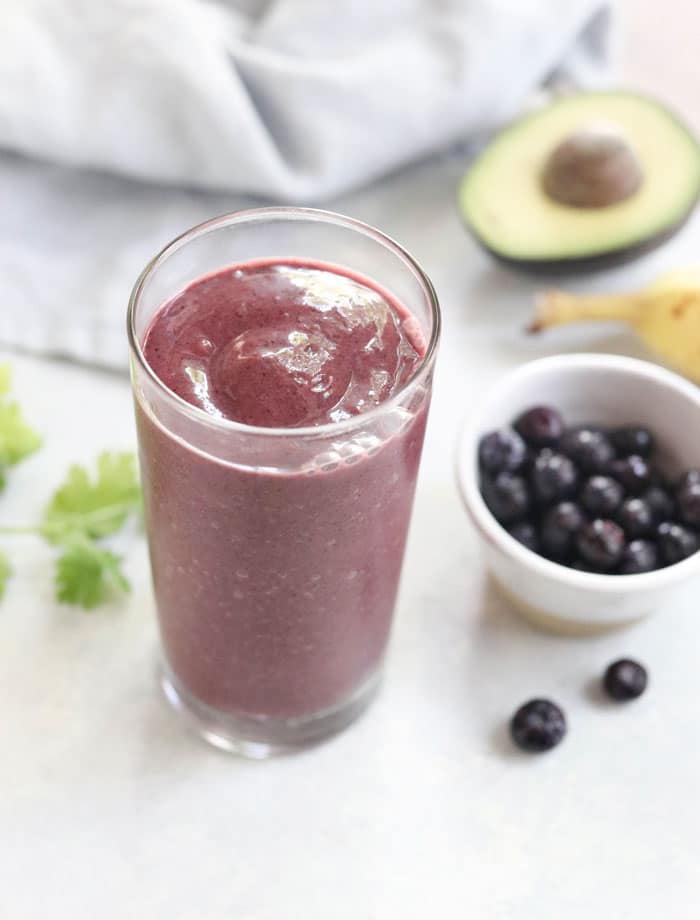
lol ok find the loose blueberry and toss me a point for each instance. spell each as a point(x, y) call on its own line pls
point(688, 499)
point(636, 518)
point(638, 557)
point(632, 439)
point(506, 496)
point(601, 496)
point(502, 451)
point(601, 544)
point(632, 472)
point(676, 542)
point(541, 426)
point(538, 726)
point(589, 448)
point(625, 680)
point(559, 527)
point(553, 477)
point(660, 502)
point(525, 532)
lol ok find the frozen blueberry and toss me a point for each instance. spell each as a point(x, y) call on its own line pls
point(625, 680)
point(541, 426)
point(601, 544)
point(639, 556)
point(559, 527)
point(632, 472)
point(601, 496)
point(676, 542)
point(689, 478)
point(525, 532)
point(688, 499)
point(553, 476)
point(502, 451)
point(632, 439)
point(538, 726)
point(660, 502)
point(589, 448)
point(636, 518)
point(507, 496)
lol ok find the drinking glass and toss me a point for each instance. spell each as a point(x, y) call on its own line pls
point(276, 552)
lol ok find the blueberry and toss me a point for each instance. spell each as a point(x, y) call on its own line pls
point(502, 451)
point(553, 476)
point(660, 502)
point(632, 439)
point(582, 566)
point(589, 448)
point(559, 527)
point(601, 543)
point(538, 726)
point(689, 478)
point(636, 518)
point(541, 426)
point(639, 556)
point(525, 532)
point(507, 496)
point(633, 472)
point(688, 499)
point(658, 478)
point(625, 680)
point(601, 496)
point(676, 542)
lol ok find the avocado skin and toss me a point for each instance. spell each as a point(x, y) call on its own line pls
point(610, 259)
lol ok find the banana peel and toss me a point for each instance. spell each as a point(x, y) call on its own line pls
point(666, 315)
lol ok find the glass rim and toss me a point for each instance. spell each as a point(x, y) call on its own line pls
point(283, 213)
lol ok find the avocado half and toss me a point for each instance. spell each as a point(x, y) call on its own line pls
point(593, 179)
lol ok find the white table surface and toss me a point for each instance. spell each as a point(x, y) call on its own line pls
point(110, 809)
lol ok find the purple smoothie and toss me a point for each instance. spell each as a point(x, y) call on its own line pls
point(276, 589)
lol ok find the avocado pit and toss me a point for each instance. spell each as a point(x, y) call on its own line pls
point(593, 168)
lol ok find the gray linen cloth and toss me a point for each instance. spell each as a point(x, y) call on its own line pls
point(294, 100)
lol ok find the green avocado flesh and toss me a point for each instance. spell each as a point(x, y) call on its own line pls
point(503, 201)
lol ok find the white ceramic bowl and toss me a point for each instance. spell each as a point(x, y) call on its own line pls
point(586, 388)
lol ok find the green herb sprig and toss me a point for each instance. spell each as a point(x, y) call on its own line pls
point(81, 512)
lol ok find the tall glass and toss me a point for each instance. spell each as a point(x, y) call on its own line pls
point(276, 552)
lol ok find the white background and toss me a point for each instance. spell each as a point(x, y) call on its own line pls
point(109, 809)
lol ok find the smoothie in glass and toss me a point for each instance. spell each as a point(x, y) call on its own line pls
point(276, 568)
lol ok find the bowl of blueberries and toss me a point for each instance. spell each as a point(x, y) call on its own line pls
point(581, 474)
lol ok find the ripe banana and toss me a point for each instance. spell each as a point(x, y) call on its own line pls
point(666, 315)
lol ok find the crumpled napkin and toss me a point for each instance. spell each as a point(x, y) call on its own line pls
point(290, 99)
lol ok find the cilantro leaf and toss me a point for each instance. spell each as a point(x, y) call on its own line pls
point(17, 439)
point(87, 576)
point(5, 379)
point(5, 572)
point(94, 507)
point(84, 508)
